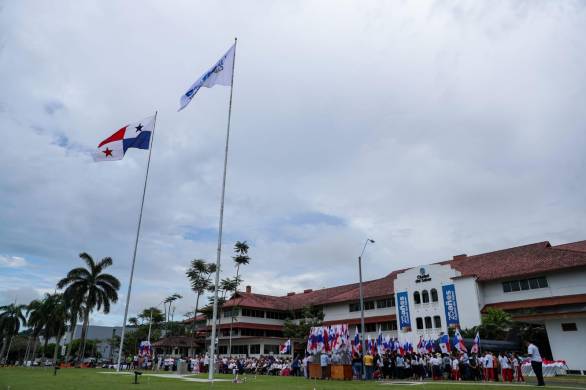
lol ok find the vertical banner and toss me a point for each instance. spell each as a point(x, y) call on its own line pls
point(403, 310)
point(451, 305)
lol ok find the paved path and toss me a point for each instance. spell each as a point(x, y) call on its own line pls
point(186, 378)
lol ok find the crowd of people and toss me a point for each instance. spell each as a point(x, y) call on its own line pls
point(440, 366)
point(455, 366)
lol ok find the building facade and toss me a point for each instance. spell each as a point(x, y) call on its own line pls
point(537, 283)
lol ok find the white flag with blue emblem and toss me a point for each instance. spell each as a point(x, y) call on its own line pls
point(220, 73)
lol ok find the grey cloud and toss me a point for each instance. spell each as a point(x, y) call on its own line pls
point(437, 128)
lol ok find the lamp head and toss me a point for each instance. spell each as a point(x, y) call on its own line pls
point(372, 241)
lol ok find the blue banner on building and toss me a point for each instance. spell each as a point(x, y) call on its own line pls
point(403, 309)
point(451, 305)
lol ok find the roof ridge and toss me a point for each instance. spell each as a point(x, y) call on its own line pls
point(546, 243)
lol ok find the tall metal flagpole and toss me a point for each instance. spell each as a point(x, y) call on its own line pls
point(146, 178)
point(219, 250)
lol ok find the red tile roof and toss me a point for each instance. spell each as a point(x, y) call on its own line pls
point(579, 246)
point(350, 292)
point(520, 261)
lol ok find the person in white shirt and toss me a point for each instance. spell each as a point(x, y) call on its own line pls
point(536, 362)
point(488, 367)
point(505, 367)
point(456, 369)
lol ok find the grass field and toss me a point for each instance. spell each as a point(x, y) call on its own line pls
point(92, 379)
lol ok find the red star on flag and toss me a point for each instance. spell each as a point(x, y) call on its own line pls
point(107, 152)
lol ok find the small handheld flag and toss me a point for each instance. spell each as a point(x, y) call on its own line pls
point(134, 135)
point(220, 73)
point(476, 344)
point(285, 348)
point(444, 343)
point(459, 341)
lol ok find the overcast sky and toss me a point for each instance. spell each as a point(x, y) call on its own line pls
point(436, 128)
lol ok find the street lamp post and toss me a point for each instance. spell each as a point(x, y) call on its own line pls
point(362, 305)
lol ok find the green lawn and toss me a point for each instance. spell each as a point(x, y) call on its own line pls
point(91, 379)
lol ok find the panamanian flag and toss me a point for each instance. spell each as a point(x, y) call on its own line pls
point(134, 135)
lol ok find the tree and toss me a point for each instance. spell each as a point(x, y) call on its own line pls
point(11, 318)
point(241, 258)
point(169, 301)
point(310, 316)
point(133, 321)
point(75, 308)
point(199, 275)
point(36, 321)
point(96, 289)
point(495, 324)
point(155, 313)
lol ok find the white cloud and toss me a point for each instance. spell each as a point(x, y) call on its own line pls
point(12, 261)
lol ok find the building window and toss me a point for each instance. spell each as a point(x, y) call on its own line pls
point(354, 306)
point(255, 349)
point(276, 315)
point(428, 323)
point(223, 349)
point(369, 305)
point(419, 322)
point(370, 327)
point(231, 313)
point(252, 332)
point(391, 325)
point(274, 333)
point(425, 296)
point(240, 349)
point(253, 313)
point(416, 298)
point(384, 303)
point(268, 349)
point(525, 284)
point(569, 327)
point(434, 297)
point(437, 321)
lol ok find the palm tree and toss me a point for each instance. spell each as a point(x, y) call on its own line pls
point(75, 307)
point(57, 321)
point(133, 321)
point(241, 258)
point(169, 300)
point(52, 316)
point(11, 318)
point(151, 314)
point(199, 274)
point(98, 290)
point(36, 321)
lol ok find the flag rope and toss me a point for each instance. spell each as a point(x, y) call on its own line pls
point(136, 243)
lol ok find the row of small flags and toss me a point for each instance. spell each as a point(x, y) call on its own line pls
point(442, 344)
point(334, 338)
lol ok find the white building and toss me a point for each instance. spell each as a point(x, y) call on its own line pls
point(536, 283)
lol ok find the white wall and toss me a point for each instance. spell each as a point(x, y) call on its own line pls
point(568, 346)
point(440, 275)
point(560, 283)
point(342, 311)
point(467, 295)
